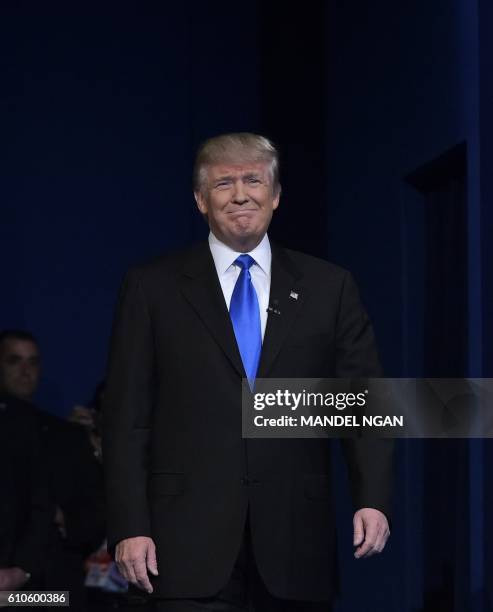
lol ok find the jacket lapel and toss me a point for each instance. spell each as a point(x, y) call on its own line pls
point(286, 299)
point(201, 288)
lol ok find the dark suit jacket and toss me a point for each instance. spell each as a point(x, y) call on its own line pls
point(75, 482)
point(26, 512)
point(177, 468)
point(76, 487)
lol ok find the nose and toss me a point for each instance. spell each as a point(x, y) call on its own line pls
point(26, 370)
point(239, 195)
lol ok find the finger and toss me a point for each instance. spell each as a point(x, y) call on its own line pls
point(368, 549)
point(369, 542)
point(125, 562)
point(384, 536)
point(127, 571)
point(141, 576)
point(379, 544)
point(151, 560)
point(359, 532)
point(121, 568)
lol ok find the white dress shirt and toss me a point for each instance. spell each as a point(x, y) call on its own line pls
point(224, 258)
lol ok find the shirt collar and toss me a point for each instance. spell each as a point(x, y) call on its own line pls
point(224, 256)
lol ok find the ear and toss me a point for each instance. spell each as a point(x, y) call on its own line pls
point(201, 202)
point(277, 197)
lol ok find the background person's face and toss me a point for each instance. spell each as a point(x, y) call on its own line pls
point(238, 200)
point(19, 368)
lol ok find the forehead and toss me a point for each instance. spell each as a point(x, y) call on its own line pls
point(237, 170)
point(14, 346)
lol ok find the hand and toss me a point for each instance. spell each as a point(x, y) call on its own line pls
point(81, 415)
point(11, 578)
point(371, 531)
point(134, 556)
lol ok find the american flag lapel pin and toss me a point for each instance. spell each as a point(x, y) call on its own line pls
point(293, 295)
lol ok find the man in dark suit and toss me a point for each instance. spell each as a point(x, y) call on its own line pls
point(196, 514)
point(71, 475)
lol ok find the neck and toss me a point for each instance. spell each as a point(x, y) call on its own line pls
point(242, 246)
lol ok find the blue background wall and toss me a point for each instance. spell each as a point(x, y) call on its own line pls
point(408, 81)
point(101, 113)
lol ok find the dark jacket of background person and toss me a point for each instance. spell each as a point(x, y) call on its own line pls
point(76, 482)
point(76, 489)
point(26, 511)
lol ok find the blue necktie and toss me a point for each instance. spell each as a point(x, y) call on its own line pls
point(245, 316)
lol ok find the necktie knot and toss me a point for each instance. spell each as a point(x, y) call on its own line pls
point(245, 261)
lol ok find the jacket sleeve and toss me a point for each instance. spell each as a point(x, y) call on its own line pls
point(127, 410)
point(30, 549)
point(369, 459)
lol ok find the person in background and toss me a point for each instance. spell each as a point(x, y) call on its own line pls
point(73, 474)
point(89, 417)
point(20, 364)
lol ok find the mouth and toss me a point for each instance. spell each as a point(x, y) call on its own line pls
point(243, 211)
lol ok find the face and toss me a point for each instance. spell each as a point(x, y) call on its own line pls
point(238, 200)
point(19, 368)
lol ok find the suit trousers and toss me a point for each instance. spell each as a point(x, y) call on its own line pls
point(244, 592)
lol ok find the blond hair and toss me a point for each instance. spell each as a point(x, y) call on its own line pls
point(237, 147)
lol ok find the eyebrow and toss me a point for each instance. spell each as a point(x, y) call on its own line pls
point(19, 356)
point(229, 177)
point(223, 178)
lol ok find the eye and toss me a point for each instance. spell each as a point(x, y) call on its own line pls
point(254, 181)
point(222, 185)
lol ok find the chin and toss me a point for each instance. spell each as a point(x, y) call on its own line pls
point(245, 227)
point(245, 234)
